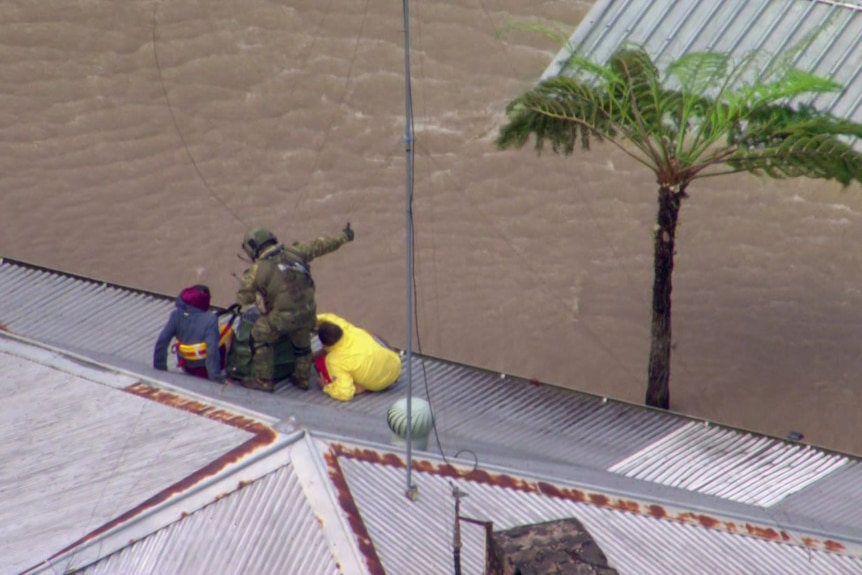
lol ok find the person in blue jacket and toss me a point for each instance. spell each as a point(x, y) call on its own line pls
point(197, 332)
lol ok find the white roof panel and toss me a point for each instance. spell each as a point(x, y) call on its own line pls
point(78, 452)
point(737, 466)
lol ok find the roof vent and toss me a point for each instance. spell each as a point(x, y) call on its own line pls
point(420, 414)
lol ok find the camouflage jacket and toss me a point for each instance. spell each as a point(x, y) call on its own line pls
point(280, 279)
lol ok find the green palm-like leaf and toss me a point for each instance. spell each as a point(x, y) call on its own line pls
point(697, 72)
point(705, 112)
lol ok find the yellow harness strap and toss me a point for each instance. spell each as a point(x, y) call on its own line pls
point(198, 351)
point(192, 352)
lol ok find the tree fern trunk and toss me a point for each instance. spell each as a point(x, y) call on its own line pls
point(658, 384)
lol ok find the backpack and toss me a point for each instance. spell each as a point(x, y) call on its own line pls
point(238, 366)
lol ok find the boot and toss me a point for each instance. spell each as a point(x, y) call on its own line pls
point(302, 371)
point(259, 384)
point(301, 383)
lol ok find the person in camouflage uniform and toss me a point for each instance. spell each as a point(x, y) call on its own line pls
point(279, 282)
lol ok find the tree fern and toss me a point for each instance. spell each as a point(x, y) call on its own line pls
point(706, 115)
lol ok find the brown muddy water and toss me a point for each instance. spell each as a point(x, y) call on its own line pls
point(138, 140)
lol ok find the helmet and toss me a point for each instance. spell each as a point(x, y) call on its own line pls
point(256, 239)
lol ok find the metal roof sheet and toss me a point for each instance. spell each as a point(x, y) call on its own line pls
point(57, 308)
point(276, 503)
point(822, 498)
point(741, 467)
point(669, 29)
point(77, 452)
point(637, 537)
point(106, 473)
point(521, 417)
point(270, 526)
point(501, 420)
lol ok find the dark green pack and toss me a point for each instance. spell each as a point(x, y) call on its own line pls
point(238, 366)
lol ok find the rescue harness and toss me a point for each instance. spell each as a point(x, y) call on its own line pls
point(198, 351)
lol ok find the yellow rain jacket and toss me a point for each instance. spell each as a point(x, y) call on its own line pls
point(357, 359)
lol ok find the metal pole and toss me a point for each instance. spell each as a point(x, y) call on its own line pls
point(456, 535)
point(408, 142)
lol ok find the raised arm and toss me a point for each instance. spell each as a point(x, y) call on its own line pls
point(323, 245)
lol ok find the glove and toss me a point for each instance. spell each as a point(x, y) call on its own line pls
point(348, 232)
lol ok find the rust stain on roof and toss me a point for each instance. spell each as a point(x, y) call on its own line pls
point(766, 533)
point(181, 486)
point(581, 496)
point(656, 511)
point(199, 408)
point(263, 436)
point(345, 499)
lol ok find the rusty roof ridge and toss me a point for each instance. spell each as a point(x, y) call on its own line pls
point(142, 521)
point(97, 371)
point(656, 506)
point(318, 487)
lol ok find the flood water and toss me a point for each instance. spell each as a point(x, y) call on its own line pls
point(138, 141)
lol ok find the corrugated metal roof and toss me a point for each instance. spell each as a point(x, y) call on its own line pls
point(503, 421)
point(669, 29)
point(736, 466)
point(522, 417)
point(77, 453)
point(507, 411)
point(274, 503)
point(56, 308)
point(416, 537)
point(821, 497)
point(267, 527)
point(104, 470)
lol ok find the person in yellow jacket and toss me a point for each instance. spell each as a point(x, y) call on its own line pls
point(354, 361)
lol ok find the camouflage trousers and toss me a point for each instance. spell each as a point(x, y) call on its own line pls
point(263, 360)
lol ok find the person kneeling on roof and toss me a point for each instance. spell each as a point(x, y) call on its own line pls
point(354, 361)
point(197, 332)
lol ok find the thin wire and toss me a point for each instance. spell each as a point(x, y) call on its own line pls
point(176, 123)
point(412, 294)
point(341, 100)
point(425, 372)
point(434, 274)
point(411, 281)
point(525, 262)
point(113, 474)
point(513, 248)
